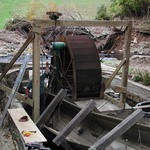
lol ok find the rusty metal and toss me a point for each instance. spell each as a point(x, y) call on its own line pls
point(81, 67)
point(53, 15)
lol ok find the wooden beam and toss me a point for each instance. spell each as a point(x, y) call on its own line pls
point(114, 73)
point(36, 73)
point(119, 89)
point(18, 95)
point(51, 107)
point(112, 100)
point(118, 130)
point(74, 122)
point(24, 46)
point(126, 65)
point(48, 91)
point(69, 23)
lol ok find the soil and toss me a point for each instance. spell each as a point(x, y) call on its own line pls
point(11, 41)
point(6, 140)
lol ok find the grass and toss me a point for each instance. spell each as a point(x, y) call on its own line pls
point(143, 77)
point(86, 8)
point(8, 8)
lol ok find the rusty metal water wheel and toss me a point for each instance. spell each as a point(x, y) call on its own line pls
point(80, 67)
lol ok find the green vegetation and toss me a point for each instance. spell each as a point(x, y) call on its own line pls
point(138, 77)
point(125, 8)
point(102, 13)
point(11, 9)
point(146, 78)
point(130, 8)
point(8, 9)
point(142, 77)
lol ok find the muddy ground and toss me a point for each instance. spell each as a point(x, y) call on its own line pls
point(11, 41)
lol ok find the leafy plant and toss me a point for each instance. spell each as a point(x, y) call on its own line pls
point(36, 10)
point(146, 78)
point(129, 8)
point(102, 13)
point(125, 8)
point(138, 77)
point(142, 77)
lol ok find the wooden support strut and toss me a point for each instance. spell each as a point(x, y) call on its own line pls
point(51, 107)
point(119, 89)
point(18, 95)
point(74, 122)
point(114, 73)
point(111, 99)
point(118, 130)
point(24, 46)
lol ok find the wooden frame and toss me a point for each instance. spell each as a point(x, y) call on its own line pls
point(38, 24)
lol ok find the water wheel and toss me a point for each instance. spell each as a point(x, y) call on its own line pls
point(80, 69)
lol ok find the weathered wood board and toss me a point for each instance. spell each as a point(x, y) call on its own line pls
point(29, 125)
point(118, 130)
point(74, 122)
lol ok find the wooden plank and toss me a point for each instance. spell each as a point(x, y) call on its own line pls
point(36, 73)
point(18, 95)
point(51, 107)
point(15, 88)
point(74, 122)
point(114, 73)
point(119, 89)
point(126, 65)
point(118, 130)
point(29, 125)
point(112, 100)
point(48, 91)
point(24, 46)
point(12, 71)
point(68, 23)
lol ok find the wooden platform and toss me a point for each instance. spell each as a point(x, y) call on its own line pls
point(29, 125)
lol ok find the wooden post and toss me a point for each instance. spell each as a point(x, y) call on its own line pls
point(51, 107)
point(126, 64)
point(36, 73)
point(118, 130)
point(74, 122)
